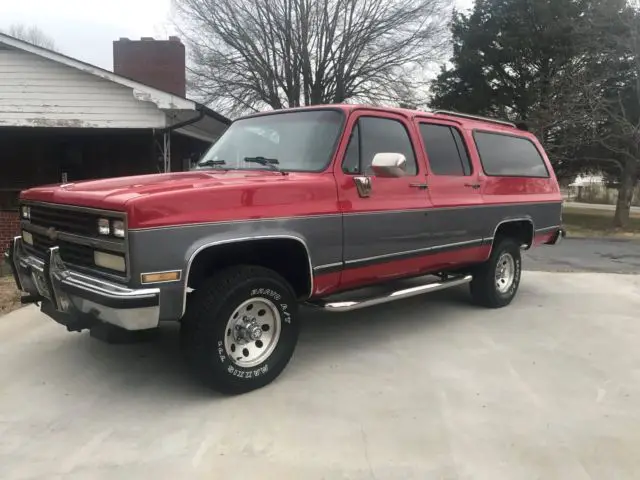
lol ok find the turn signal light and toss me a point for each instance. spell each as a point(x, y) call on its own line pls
point(158, 277)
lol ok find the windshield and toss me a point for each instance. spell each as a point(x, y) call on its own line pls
point(294, 141)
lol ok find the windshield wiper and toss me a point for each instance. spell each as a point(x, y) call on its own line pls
point(272, 163)
point(212, 163)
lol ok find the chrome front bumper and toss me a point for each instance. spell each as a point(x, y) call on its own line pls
point(76, 300)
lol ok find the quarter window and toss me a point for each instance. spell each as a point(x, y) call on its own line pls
point(351, 162)
point(373, 135)
point(445, 150)
point(509, 156)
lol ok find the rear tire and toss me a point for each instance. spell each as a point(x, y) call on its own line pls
point(240, 329)
point(495, 283)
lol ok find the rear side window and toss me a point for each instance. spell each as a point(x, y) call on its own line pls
point(509, 156)
point(445, 150)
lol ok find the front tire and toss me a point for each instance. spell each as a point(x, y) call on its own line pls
point(496, 282)
point(240, 329)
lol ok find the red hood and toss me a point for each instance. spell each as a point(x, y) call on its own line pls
point(199, 197)
point(115, 193)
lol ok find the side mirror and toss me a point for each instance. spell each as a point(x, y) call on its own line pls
point(389, 165)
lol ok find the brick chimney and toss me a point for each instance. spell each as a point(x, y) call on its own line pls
point(158, 63)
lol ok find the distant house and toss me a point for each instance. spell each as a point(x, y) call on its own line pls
point(588, 181)
point(63, 120)
point(597, 189)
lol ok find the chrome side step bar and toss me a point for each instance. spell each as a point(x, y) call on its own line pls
point(347, 306)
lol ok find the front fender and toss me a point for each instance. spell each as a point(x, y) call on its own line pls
point(175, 248)
point(220, 240)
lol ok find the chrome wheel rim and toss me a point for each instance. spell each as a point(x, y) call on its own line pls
point(505, 272)
point(252, 332)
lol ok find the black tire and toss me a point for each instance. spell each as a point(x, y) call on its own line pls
point(484, 288)
point(204, 328)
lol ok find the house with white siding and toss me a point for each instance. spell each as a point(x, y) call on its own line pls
point(63, 120)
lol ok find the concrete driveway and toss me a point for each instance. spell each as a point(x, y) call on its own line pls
point(605, 255)
point(429, 388)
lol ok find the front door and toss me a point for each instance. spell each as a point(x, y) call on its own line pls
point(385, 222)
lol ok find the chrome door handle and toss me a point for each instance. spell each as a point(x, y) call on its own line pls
point(421, 186)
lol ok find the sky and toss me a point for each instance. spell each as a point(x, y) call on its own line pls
point(85, 29)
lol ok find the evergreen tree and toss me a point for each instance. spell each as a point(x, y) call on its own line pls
point(568, 68)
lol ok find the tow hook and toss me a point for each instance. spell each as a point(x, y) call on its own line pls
point(29, 299)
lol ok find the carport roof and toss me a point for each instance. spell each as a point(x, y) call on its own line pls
point(166, 101)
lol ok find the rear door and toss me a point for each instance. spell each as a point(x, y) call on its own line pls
point(455, 189)
point(385, 225)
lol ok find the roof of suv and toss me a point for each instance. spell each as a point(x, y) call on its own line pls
point(458, 117)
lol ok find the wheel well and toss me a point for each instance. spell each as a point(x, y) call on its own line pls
point(521, 230)
point(287, 256)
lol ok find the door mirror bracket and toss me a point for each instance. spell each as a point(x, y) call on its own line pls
point(363, 185)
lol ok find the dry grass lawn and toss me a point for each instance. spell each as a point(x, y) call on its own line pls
point(591, 222)
point(9, 296)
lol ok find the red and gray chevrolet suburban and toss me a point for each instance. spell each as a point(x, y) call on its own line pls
point(302, 206)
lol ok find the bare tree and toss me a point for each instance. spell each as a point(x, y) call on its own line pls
point(248, 55)
point(32, 35)
point(614, 102)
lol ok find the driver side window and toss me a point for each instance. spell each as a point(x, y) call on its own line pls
point(373, 135)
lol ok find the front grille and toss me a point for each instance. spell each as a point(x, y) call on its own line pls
point(71, 253)
point(70, 221)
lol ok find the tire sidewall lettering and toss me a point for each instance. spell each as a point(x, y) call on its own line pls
point(516, 280)
point(267, 293)
point(248, 373)
point(285, 314)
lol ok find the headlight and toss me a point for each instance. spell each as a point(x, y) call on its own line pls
point(118, 228)
point(110, 261)
point(26, 212)
point(110, 227)
point(104, 226)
